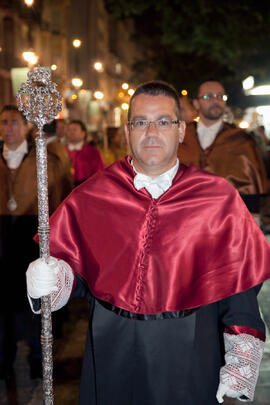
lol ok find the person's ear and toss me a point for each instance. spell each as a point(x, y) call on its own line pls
point(196, 104)
point(127, 134)
point(182, 131)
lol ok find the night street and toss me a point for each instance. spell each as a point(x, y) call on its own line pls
point(135, 145)
point(68, 357)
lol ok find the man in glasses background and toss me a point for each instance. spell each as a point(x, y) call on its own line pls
point(220, 148)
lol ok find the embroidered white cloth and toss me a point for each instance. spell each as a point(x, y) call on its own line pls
point(238, 377)
point(158, 185)
point(55, 278)
point(14, 157)
point(207, 135)
point(75, 146)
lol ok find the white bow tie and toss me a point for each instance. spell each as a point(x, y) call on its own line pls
point(158, 185)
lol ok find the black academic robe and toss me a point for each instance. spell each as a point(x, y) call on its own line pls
point(163, 361)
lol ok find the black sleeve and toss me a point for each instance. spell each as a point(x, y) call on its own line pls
point(242, 309)
point(81, 289)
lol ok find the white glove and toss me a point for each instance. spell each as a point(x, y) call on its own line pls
point(225, 390)
point(55, 278)
point(41, 277)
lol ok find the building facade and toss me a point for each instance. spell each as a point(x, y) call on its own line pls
point(47, 28)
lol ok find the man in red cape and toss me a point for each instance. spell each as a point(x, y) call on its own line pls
point(168, 257)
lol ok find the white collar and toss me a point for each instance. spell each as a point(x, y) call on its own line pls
point(207, 135)
point(52, 138)
point(158, 185)
point(14, 157)
point(75, 146)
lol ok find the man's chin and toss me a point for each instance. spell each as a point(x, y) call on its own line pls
point(216, 115)
point(152, 161)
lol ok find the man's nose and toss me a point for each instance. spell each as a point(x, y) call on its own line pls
point(152, 128)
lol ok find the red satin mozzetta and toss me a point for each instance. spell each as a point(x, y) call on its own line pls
point(194, 245)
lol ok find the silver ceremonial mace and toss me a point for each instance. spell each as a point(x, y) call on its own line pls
point(39, 100)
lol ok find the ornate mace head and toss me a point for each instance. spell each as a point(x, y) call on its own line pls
point(38, 98)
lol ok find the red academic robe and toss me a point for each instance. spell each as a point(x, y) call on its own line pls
point(85, 162)
point(152, 261)
point(194, 245)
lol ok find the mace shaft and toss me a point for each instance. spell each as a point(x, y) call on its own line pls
point(44, 232)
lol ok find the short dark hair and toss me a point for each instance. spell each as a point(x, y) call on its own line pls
point(79, 122)
point(14, 108)
point(157, 88)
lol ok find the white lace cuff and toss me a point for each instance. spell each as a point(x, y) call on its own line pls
point(242, 363)
point(65, 279)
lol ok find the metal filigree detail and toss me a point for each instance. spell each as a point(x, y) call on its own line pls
point(39, 100)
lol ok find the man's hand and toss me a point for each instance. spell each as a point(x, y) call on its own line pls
point(54, 278)
point(41, 277)
point(225, 390)
point(238, 376)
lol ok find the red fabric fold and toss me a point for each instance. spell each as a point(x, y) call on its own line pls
point(238, 330)
point(194, 245)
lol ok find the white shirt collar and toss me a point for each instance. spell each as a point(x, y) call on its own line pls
point(51, 139)
point(207, 135)
point(14, 157)
point(75, 146)
point(158, 185)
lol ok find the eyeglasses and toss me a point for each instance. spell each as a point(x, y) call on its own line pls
point(211, 96)
point(164, 124)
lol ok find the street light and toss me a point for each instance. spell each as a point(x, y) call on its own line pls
point(131, 92)
point(124, 106)
point(98, 66)
point(77, 82)
point(98, 95)
point(248, 83)
point(29, 3)
point(243, 124)
point(259, 91)
point(30, 57)
point(76, 43)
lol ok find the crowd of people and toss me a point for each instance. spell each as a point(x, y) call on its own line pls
point(71, 160)
point(160, 234)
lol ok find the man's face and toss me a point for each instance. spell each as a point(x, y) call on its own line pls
point(154, 149)
point(75, 134)
point(13, 129)
point(209, 102)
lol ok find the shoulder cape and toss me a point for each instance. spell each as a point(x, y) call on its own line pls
point(233, 155)
point(195, 245)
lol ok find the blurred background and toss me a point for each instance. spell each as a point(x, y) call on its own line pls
point(98, 52)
